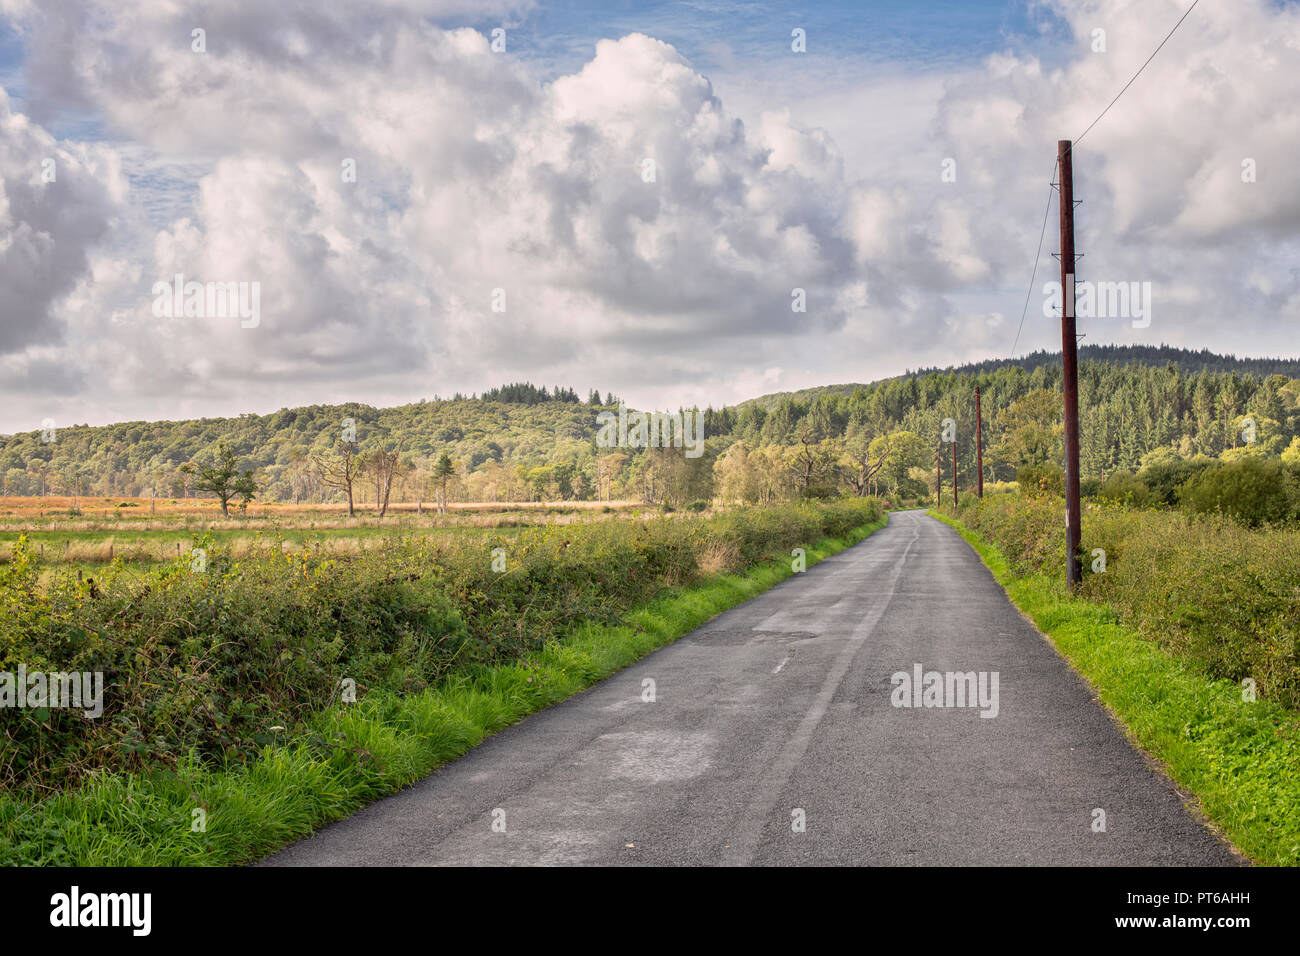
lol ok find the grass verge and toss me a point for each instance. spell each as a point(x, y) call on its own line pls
point(1240, 759)
point(348, 756)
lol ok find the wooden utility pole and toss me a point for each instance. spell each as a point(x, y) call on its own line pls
point(954, 471)
point(1070, 367)
point(979, 446)
point(938, 476)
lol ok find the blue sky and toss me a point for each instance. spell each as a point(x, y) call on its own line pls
point(559, 36)
point(920, 33)
point(11, 58)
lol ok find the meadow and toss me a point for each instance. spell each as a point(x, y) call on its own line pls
point(136, 533)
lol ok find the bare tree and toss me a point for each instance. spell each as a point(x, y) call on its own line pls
point(382, 467)
point(810, 462)
point(40, 468)
point(303, 479)
point(73, 478)
point(341, 470)
point(863, 475)
point(157, 474)
point(607, 469)
point(414, 478)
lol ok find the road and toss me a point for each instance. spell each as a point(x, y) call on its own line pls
point(774, 739)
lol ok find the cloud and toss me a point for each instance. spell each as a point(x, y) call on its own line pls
point(55, 203)
point(1161, 175)
point(472, 176)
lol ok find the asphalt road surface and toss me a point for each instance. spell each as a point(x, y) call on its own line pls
point(774, 739)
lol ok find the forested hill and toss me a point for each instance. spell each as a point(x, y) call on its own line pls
point(520, 442)
point(1186, 360)
point(1159, 356)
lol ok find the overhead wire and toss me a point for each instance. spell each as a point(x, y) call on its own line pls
point(1043, 232)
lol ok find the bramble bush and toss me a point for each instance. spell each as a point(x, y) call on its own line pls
point(218, 662)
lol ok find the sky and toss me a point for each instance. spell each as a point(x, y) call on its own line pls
point(679, 202)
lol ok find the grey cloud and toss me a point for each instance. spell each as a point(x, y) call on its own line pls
point(46, 228)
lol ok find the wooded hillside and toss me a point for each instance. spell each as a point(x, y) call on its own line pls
point(520, 442)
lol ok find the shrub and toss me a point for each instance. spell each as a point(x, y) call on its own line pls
point(1041, 480)
point(913, 489)
point(1123, 487)
point(1163, 478)
point(1254, 491)
point(820, 492)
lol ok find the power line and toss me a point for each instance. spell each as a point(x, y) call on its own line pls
point(1043, 232)
point(1037, 255)
point(1138, 73)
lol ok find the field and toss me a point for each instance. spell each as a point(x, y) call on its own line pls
point(101, 530)
point(17, 510)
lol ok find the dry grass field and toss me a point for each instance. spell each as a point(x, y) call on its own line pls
point(90, 531)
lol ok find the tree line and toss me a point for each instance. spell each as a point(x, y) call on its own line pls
point(540, 444)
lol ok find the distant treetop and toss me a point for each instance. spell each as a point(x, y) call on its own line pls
point(526, 393)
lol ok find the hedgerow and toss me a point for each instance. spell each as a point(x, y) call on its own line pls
point(1205, 587)
point(213, 661)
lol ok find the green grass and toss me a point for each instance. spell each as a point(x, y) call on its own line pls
point(1241, 760)
point(350, 755)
